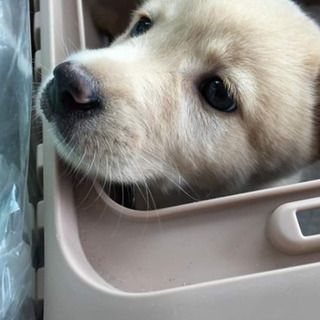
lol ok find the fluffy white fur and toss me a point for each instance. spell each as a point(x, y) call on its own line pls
point(156, 127)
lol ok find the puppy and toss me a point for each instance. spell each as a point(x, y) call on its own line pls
point(214, 96)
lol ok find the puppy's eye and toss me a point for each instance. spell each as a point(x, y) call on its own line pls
point(143, 25)
point(217, 95)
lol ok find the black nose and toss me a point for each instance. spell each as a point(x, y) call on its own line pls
point(72, 89)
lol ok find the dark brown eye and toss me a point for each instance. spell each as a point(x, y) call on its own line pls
point(142, 26)
point(217, 95)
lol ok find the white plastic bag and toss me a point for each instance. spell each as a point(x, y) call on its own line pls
point(16, 273)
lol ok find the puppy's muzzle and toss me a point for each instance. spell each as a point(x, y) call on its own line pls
point(72, 90)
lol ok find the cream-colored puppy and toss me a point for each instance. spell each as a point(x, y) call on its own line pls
point(214, 95)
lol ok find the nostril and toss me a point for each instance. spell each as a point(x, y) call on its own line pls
point(74, 88)
point(83, 94)
point(74, 101)
point(79, 93)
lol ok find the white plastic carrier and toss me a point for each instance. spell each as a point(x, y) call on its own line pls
point(238, 257)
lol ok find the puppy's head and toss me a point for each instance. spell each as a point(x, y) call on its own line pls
point(218, 94)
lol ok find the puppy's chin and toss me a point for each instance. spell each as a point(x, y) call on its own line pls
point(67, 151)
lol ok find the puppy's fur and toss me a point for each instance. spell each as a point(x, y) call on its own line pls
point(156, 127)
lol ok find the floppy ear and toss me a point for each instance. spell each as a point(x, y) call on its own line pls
point(112, 17)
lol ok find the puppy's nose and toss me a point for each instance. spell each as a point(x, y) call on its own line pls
point(72, 89)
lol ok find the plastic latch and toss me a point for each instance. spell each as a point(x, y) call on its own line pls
point(31, 215)
point(38, 239)
point(36, 30)
point(40, 293)
point(284, 230)
point(40, 215)
point(40, 165)
point(36, 5)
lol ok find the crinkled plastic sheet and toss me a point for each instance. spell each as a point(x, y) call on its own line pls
point(16, 273)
